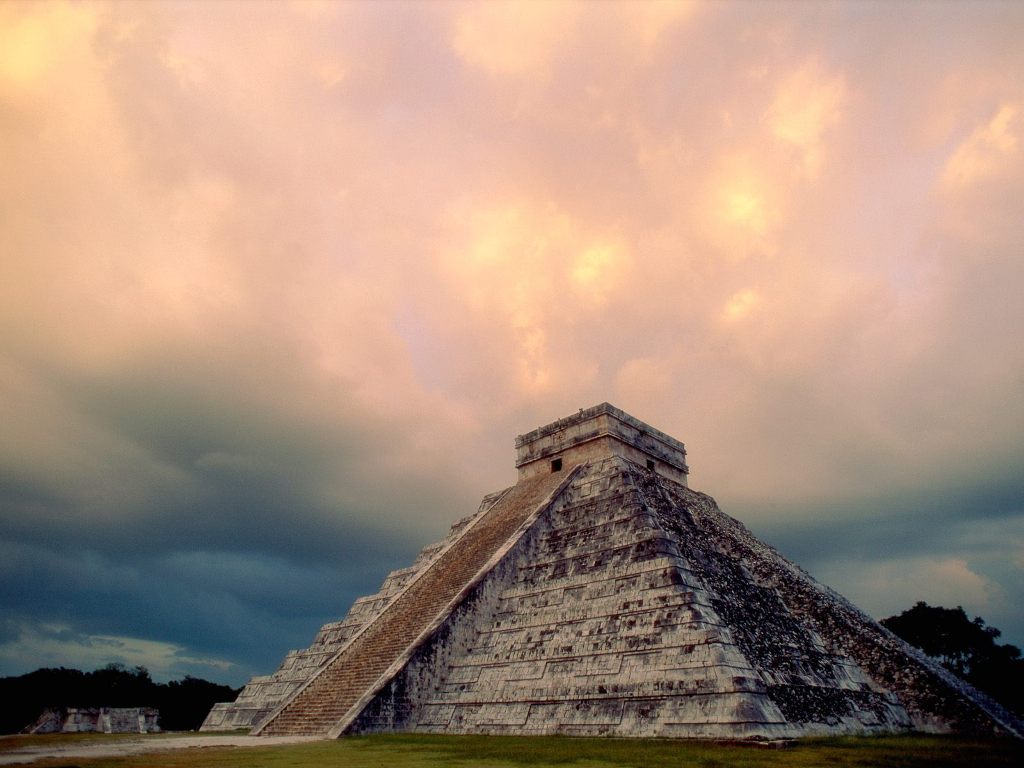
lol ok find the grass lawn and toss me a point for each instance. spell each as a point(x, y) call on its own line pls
point(538, 752)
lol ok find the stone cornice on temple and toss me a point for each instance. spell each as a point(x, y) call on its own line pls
point(597, 432)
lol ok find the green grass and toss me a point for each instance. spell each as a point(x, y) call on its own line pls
point(408, 751)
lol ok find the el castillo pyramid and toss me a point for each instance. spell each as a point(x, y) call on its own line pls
point(599, 595)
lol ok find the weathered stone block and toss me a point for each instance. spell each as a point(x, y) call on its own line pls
point(602, 596)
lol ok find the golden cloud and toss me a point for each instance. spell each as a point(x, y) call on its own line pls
point(643, 379)
point(807, 104)
point(651, 19)
point(530, 265)
point(513, 37)
point(32, 43)
point(741, 305)
point(984, 153)
point(741, 209)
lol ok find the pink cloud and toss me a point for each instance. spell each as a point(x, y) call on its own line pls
point(789, 235)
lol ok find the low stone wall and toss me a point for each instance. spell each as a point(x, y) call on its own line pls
point(97, 720)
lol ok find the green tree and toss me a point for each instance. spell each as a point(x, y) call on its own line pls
point(966, 647)
point(183, 704)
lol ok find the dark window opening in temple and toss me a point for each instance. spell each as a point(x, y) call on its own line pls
point(650, 464)
point(556, 465)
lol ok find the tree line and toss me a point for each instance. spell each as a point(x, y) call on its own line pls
point(967, 648)
point(183, 704)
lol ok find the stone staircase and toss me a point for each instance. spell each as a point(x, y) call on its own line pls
point(328, 703)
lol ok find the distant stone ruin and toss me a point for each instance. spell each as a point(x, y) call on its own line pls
point(97, 720)
point(601, 596)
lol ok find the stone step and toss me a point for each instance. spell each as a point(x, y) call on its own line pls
point(329, 696)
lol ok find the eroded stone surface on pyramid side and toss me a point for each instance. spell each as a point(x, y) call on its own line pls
point(609, 620)
point(935, 699)
point(341, 688)
point(623, 604)
point(265, 693)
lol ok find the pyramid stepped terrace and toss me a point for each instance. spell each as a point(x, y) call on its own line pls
point(600, 595)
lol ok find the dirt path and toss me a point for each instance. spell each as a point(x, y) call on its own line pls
point(119, 747)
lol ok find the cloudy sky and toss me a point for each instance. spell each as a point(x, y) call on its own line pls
point(281, 282)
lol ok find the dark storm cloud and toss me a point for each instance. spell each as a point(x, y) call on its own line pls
point(962, 545)
point(219, 521)
point(890, 525)
point(217, 604)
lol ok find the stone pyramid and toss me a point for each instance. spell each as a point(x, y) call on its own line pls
point(601, 596)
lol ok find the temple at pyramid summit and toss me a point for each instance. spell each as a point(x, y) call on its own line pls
point(599, 595)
